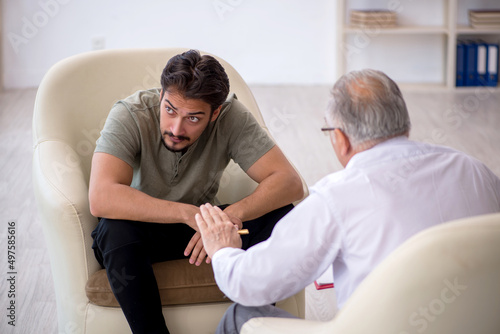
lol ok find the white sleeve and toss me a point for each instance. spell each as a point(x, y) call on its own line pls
point(302, 246)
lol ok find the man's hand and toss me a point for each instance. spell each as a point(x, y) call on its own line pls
point(196, 249)
point(195, 245)
point(217, 230)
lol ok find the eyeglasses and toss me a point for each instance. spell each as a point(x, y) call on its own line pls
point(326, 130)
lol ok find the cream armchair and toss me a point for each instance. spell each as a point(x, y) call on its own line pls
point(71, 106)
point(443, 280)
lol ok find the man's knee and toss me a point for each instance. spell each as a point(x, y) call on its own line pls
point(237, 315)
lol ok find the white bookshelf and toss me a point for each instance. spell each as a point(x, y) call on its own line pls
point(435, 39)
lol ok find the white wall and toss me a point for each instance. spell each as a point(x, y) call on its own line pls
point(267, 41)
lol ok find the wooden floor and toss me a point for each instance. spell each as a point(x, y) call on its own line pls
point(466, 120)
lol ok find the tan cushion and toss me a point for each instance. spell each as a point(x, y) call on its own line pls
point(178, 281)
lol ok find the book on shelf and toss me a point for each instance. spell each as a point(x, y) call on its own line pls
point(485, 19)
point(470, 69)
point(373, 18)
point(460, 65)
point(477, 63)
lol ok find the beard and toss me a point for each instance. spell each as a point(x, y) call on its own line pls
point(171, 148)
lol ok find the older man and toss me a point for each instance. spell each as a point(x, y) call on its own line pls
point(391, 188)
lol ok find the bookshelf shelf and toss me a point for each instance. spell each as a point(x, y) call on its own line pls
point(436, 41)
point(398, 30)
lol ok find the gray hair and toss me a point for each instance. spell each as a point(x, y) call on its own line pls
point(368, 106)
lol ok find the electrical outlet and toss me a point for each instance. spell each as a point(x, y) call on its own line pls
point(98, 43)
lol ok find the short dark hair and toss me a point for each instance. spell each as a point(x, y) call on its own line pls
point(196, 77)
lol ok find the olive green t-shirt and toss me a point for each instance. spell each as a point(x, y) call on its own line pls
point(132, 134)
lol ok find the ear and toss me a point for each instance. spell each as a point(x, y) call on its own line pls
point(215, 114)
point(344, 145)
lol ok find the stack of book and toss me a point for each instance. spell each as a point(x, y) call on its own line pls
point(373, 18)
point(477, 64)
point(325, 281)
point(486, 19)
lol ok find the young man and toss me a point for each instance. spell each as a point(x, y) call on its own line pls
point(161, 154)
point(391, 188)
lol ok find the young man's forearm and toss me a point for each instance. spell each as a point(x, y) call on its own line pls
point(119, 201)
point(276, 191)
point(111, 196)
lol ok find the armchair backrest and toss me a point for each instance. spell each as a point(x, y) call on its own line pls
point(77, 94)
point(445, 279)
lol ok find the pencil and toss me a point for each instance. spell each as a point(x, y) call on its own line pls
point(243, 231)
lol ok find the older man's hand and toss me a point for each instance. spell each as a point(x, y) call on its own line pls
point(217, 230)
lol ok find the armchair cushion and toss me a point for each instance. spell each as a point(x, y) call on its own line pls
point(179, 283)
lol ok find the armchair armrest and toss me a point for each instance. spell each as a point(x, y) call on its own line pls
point(283, 325)
point(61, 196)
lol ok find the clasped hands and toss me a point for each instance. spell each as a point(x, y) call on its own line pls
point(215, 230)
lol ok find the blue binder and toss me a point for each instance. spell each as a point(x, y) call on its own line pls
point(470, 64)
point(482, 64)
point(492, 67)
point(460, 66)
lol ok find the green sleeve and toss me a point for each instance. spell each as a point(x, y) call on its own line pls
point(248, 141)
point(120, 136)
